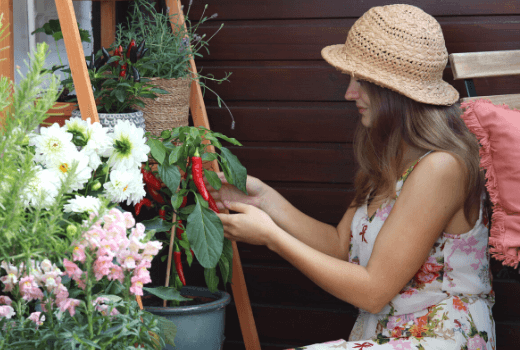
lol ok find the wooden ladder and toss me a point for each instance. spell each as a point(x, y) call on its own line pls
point(88, 109)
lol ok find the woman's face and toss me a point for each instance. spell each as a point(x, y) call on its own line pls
point(356, 93)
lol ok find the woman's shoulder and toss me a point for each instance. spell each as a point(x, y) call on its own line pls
point(441, 162)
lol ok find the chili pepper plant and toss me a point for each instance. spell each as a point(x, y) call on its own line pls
point(116, 81)
point(198, 230)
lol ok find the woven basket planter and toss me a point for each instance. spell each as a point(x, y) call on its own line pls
point(167, 111)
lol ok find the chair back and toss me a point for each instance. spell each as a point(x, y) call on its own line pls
point(470, 65)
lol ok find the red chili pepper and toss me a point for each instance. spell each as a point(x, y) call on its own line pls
point(155, 195)
point(122, 74)
point(129, 48)
point(184, 201)
point(146, 202)
point(178, 264)
point(162, 214)
point(150, 179)
point(117, 52)
point(197, 173)
point(179, 230)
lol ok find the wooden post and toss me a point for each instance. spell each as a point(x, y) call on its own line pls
point(7, 54)
point(238, 286)
point(108, 23)
point(77, 62)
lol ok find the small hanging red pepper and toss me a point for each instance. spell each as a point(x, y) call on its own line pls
point(179, 230)
point(178, 264)
point(117, 52)
point(197, 173)
point(129, 48)
point(150, 179)
point(162, 213)
point(146, 202)
point(122, 74)
point(155, 195)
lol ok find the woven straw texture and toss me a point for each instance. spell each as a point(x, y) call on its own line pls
point(399, 47)
point(167, 111)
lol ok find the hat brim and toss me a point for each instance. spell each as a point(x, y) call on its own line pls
point(440, 93)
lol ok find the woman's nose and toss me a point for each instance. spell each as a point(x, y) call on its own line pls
point(352, 92)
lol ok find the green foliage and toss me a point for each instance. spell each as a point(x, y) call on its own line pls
point(53, 28)
point(36, 232)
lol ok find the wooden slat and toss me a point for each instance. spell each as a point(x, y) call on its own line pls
point(108, 23)
point(77, 62)
point(311, 81)
point(272, 40)
point(298, 162)
point(513, 101)
point(294, 9)
point(7, 54)
point(485, 64)
point(274, 121)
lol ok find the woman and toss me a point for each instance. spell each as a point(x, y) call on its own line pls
point(411, 250)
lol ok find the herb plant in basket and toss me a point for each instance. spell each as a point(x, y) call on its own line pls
point(168, 61)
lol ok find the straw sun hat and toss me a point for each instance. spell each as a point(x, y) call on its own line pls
point(399, 47)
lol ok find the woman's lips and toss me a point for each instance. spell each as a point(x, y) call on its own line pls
point(361, 110)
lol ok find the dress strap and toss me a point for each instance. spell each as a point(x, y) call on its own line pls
point(409, 170)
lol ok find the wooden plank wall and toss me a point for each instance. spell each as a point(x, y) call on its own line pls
point(297, 133)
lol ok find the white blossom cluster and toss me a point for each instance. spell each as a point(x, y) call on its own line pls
point(91, 151)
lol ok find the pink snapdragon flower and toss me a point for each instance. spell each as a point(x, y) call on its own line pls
point(11, 279)
point(116, 273)
point(69, 305)
point(138, 231)
point(129, 220)
point(29, 289)
point(61, 293)
point(37, 318)
point(78, 254)
point(102, 266)
point(6, 311)
point(74, 272)
point(5, 300)
point(128, 260)
point(152, 248)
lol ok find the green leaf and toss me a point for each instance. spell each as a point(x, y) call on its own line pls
point(165, 134)
point(120, 95)
point(223, 264)
point(213, 179)
point(175, 155)
point(227, 251)
point(228, 139)
point(111, 297)
point(167, 328)
point(84, 35)
point(235, 172)
point(112, 59)
point(209, 156)
point(157, 149)
point(159, 91)
point(176, 200)
point(210, 275)
point(166, 293)
point(206, 235)
point(57, 36)
point(157, 224)
point(170, 175)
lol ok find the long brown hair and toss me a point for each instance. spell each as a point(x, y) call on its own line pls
point(397, 119)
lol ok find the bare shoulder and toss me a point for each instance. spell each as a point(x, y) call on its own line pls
point(441, 164)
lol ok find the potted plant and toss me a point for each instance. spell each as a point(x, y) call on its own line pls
point(62, 109)
point(194, 228)
point(118, 86)
point(44, 232)
point(167, 63)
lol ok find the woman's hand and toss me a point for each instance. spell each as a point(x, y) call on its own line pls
point(251, 225)
point(255, 189)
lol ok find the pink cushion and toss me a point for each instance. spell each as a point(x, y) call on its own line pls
point(498, 130)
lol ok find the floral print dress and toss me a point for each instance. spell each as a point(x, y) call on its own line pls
point(446, 305)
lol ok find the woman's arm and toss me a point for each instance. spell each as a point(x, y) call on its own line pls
point(432, 194)
point(325, 238)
